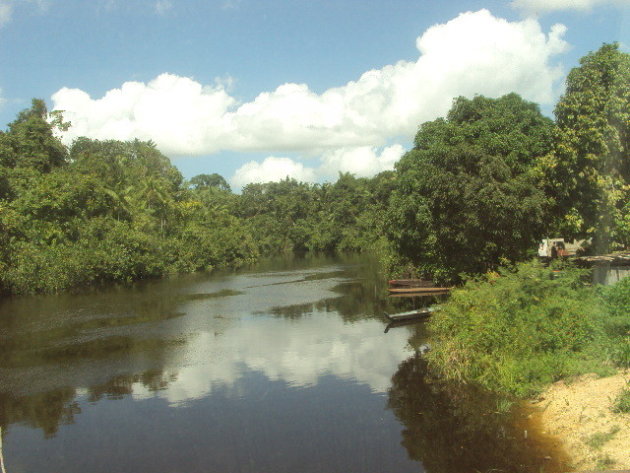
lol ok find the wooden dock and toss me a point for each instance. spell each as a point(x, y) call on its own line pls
point(614, 259)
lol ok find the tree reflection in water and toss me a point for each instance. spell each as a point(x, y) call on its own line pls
point(50, 409)
point(457, 428)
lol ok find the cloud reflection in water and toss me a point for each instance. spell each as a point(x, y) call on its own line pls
point(297, 352)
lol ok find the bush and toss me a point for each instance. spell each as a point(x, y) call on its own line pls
point(622, 403)
point(518, 329)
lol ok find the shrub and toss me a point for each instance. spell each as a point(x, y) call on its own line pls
point(515, 330)
point(622, 403)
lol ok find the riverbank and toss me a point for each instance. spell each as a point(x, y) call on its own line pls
point(580, 415)
point(518, 331)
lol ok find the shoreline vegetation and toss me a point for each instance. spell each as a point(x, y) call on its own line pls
point(467, 205)
point(480, 186)
point(526, 326)
point(544, 335)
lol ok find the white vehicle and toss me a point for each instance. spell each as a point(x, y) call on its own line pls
point(552, 247)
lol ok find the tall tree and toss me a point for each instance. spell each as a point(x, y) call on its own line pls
point(31, 142)
point(589, 170)
point(466, 195)
point(210, 180)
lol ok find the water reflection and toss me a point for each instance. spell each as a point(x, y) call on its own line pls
point(184, 339)
point(298, 352)
point(276, 370)
point(456, 428)
point(46, 410)
point(260, 371)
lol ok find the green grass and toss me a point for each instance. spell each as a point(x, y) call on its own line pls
point(622, 403)
point(504, 405)
point(516, 331)
point(599, 439)
point(605, 463)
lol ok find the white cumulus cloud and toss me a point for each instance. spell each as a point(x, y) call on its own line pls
point(272, 169)
point(178, 113)
point(362, 161)
point(475, 53)
point(544, 6)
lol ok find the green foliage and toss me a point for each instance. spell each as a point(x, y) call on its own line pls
point(215, 180)
point(30, 141)
point(466, 195)
point(523, 327)
point(617, 299)
point(589, 170)
point(599, 439)
point(622, 402)
point(106, 211)
point(617, 325)
point(605, 463)
point(112, 211)
point(480, 186)
point(291, 216)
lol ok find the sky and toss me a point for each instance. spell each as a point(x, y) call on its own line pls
point(258, 90)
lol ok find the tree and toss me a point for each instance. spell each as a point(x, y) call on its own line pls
point(276, 213)
point(466, 196)
point(589, 171)
point(210, 180)
point(30, 141)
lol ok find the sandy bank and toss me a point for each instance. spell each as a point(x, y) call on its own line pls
point(579, 414)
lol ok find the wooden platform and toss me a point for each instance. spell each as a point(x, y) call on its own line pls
point(616, 259)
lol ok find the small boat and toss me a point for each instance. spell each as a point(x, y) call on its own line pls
point(419, 290)
point(410, 283)
point(410, 315)
point(419, 294)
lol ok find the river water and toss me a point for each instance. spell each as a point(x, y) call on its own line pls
point(283, 368)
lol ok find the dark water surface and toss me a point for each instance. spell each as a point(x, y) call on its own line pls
point(285, 368)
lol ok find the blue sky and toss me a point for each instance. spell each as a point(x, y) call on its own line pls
point(262, 89)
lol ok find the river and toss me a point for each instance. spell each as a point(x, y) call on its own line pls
point(283, 368)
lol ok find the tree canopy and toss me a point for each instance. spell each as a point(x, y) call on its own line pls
point(30, 141)
point(481, 185)
point(210, 180)
point(589, 170)
point(466, 194)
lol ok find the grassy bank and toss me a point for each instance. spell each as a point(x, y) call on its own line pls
point(519, 329)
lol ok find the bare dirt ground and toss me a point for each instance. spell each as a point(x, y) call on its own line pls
point(579, 414)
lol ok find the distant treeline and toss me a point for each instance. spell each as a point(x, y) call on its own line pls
point(480, 186)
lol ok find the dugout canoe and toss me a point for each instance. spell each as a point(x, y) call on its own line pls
point(419, 290)
point(410, 315)
point(410, 283)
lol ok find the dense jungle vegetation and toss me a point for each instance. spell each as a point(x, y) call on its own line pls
point(480, 186)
